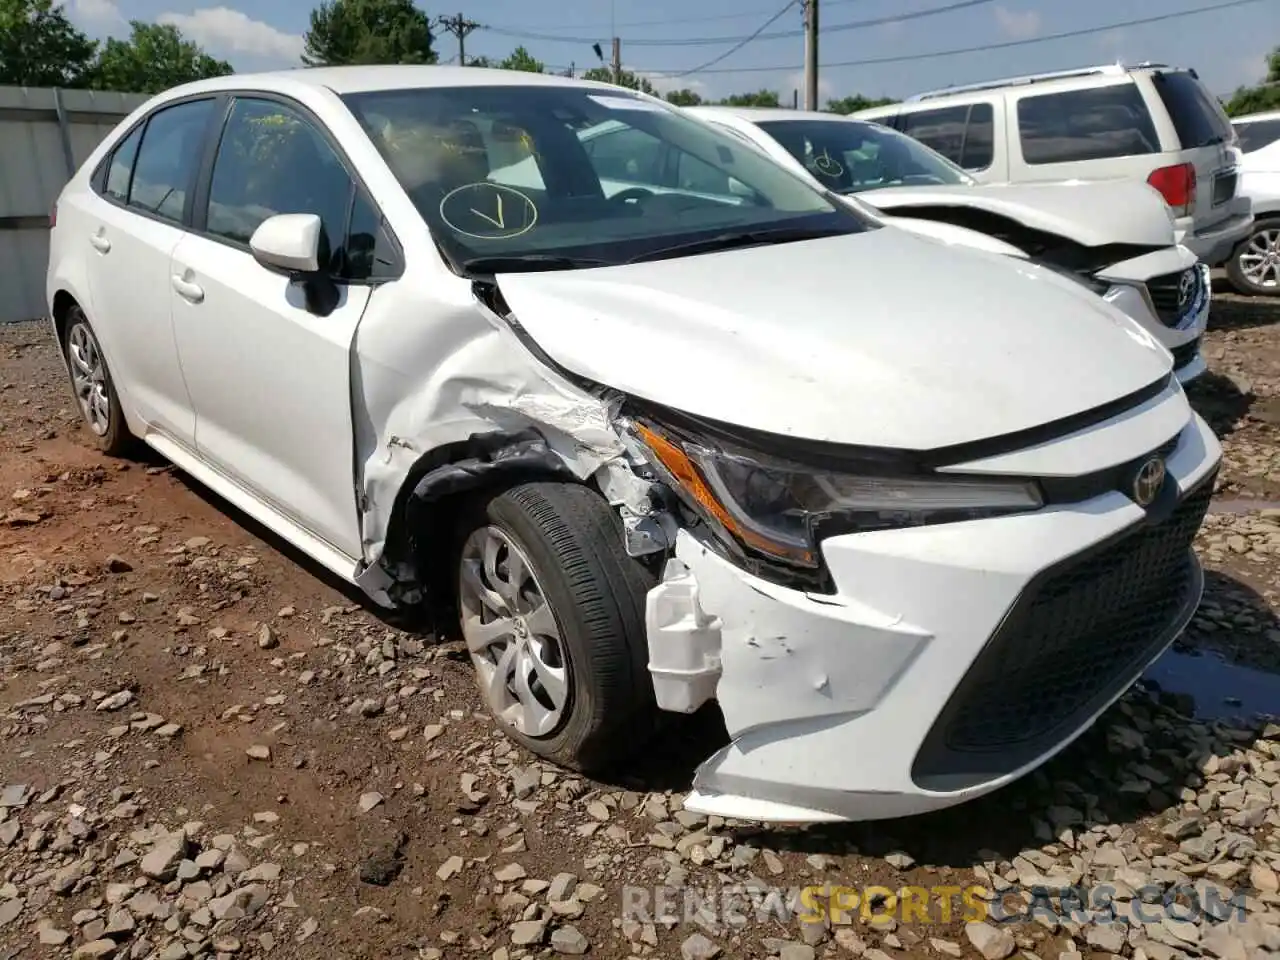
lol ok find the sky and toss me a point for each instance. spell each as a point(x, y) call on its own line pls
point(666, 39)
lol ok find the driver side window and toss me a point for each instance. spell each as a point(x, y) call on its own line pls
point(270, 161)
point(629, 155)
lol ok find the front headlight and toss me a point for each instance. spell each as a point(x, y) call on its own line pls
point(1082, 277)
point(782, 509)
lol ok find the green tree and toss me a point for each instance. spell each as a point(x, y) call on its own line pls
point(521, 59)
point(856, 102)
point(684, 98)
point(39, 46)
point(627, 79)
point(154, 58)
point(479, 62)
point(761, 98)
point(1265, 96)
point(368, 31)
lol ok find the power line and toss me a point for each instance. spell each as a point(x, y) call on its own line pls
point(717, 18)
point(734, 49)
point(758, 35)
point(1004, 45)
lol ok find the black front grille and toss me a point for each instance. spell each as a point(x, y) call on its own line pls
point(1185, 354)
point(1224, 187)
point(1165, 296)
point(1077, 635)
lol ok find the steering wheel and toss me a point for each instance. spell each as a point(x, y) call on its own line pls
point(632, 193)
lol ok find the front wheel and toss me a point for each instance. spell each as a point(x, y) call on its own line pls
point(94, 389)
point(1254, 267)
point(552, 612)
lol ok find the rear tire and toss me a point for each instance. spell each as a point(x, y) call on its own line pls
point(94, 390)
point(552, 609)
point(1254, 267)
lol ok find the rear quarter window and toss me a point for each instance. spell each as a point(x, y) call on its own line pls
point(1257, 134)
point(1097, 123)
point(1196, 116)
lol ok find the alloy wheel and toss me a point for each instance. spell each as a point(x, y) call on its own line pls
point(1259, 259)
point(89, 378)
point(512, 634)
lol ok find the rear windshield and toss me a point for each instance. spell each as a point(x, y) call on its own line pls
point(1196, 116)
point(1257, 134)
point(1095, 123)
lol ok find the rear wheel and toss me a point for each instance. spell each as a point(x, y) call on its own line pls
point(1254, 268)
point(552, 611)
point(94, 389)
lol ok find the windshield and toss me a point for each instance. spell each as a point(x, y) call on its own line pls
point(848, 156)
point(560, 176)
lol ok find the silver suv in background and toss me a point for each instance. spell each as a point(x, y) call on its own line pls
point(1150, 122)
point(1254, 267)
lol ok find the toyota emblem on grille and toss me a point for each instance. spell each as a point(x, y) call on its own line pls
point(1148, 481)
point(1186, 290)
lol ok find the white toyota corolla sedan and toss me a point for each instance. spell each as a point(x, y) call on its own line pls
point(913, 515)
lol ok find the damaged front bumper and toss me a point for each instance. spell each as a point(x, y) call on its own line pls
point(944, 666)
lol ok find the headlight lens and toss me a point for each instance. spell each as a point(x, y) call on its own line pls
point(1081, 277)
point(781, 509)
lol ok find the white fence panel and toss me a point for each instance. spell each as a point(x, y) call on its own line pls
point(45, 135)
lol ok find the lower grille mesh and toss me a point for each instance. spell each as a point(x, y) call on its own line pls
point(1069, 641)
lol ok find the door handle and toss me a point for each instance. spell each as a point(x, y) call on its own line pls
point(100, 243)
point(187, 290)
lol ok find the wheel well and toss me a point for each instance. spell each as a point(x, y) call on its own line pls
point(441, 488)
point(62, 303)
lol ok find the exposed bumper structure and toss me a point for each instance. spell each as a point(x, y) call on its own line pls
point(950, 661)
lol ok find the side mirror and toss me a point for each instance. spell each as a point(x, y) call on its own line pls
point(288, 243)
point(740, 189)
point(294, 244)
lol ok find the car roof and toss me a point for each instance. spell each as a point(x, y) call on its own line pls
point(364, 79)
point(757, 114)
point(1251, 117)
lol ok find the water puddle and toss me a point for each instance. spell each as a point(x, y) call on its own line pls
point(1220, 689)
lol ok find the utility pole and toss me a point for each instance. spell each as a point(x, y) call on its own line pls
point(460, 27)
point(617, 61)
point(810, 54)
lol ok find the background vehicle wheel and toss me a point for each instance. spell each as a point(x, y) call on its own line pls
point(1254, 268)
point(94, 390)
point(552, 611)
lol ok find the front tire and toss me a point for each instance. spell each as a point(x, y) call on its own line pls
point(552, 611)
point(94, 389)
point(1254, 267)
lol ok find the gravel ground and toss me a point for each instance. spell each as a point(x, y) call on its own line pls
point(213, 749)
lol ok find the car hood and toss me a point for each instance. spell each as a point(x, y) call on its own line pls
point(1092, 214)
point(881, 338)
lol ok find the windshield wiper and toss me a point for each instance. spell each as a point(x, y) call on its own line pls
point(528, 263)
point(739, 238)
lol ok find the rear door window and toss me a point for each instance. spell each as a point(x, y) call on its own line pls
point(964, 135)
point(942, 129)
point(1096, 123)
point(168, 158)
point(1196, 118)
point(1258, 134)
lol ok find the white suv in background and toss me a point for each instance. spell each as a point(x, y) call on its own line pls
point(1254, 266)
point(1150, 122)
